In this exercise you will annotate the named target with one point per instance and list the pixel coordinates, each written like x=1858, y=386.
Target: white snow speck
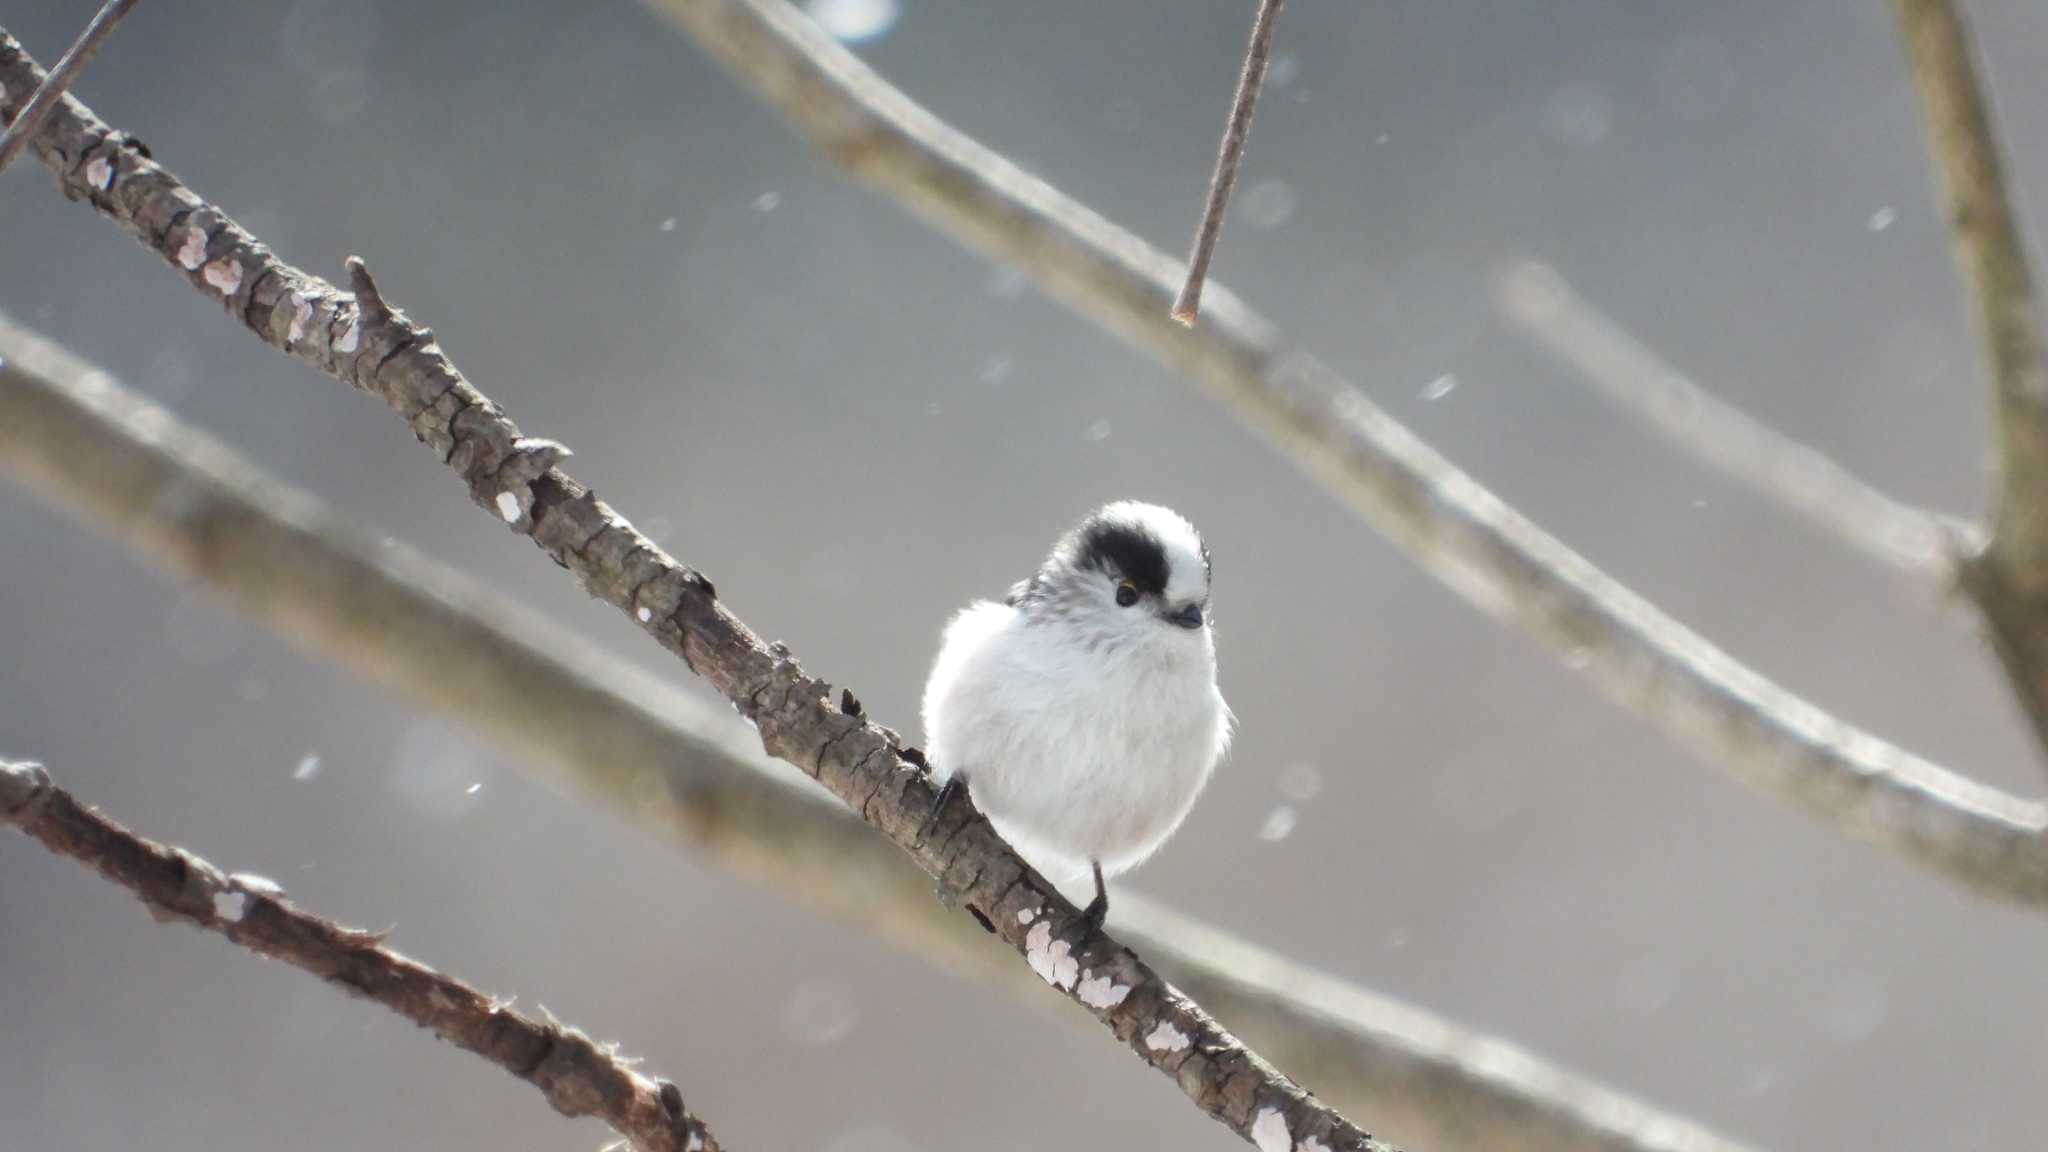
x=768, y=201
x=1097, y=432
x=1279, y=824
x=346, y=342
x=473, y=789
x=645, y=614
x=1050, y=958
x=192, y=253
x=1269, y=1132
x=99, y=173
x=853, y=21
x=309, y=767
x=257, y=885
x=668, y=225
x=229, y=906
x=225, y=275
x=1166, y=1038
x=508, y=507
x=1027, y=915
x=1440, y=387
x=1101, y=992
x=1881, y=219
x=1268, y=204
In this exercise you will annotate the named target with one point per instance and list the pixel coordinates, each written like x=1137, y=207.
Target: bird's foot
x=954, y=785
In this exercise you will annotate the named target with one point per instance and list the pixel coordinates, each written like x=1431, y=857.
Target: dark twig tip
x=1228, y=156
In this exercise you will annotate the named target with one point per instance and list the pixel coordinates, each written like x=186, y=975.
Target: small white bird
x=1082, y=713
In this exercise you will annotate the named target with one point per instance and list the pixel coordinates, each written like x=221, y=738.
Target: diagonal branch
x=2009, y=578
x=578, y=1077
x=1540, y=304
x=59, y=81
x=1228, y=156
x=358, y=338
x=1466, y=536
x=650, y=753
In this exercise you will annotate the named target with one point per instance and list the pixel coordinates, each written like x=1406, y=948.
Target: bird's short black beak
x=1188, y=617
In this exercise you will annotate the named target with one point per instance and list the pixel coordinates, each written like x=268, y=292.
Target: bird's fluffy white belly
x=1077, y=756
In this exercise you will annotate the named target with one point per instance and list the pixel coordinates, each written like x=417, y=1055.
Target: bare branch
x=359, y=338
x=578, y=1077
x=2009, y=578
x=659, y=757
x=1228, y=156
x=1539, y=303
x=60, y=79
x=1466, y=536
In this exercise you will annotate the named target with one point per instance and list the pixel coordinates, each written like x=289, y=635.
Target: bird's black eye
x=1126, y=594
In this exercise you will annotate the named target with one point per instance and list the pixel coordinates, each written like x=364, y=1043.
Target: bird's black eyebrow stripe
x=1129, y=552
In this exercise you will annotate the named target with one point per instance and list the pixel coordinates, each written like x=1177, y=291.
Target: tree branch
x=578, y=1077
x=2009, y=578
x=358, y=338
x=1228, y=155
x=60, y=79
x=1540, y=304
x=651, y=754
x=1764, y=736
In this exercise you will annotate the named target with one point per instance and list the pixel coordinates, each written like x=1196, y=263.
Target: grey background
x=853, y=426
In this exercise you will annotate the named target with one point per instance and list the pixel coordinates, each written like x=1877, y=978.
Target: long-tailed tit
x=1082, y=712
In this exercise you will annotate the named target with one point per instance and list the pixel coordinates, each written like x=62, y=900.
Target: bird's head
x=1131, y=571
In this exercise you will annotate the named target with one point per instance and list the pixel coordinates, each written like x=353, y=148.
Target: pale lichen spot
x=99, y=173
x=1027, y=915
x=645, y=615
x=192, y=253
x=1166, y=1038
x=225, y=275
x=1269, y=1132
x=1311, y=1145
x=257, y=885
x=346, y=342
x=1051, y=959
x=508, y=507
x=1101, y=991
x=302, y=315
x=229, y=905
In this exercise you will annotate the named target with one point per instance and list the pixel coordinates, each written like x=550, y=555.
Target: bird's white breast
x=1080, y=747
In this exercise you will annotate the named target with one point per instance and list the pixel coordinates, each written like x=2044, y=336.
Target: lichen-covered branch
x=2009, y=578
x=1538, y=302
x=359, y=338
x=578, y=1077
x=1730, y=714
x=658, y=756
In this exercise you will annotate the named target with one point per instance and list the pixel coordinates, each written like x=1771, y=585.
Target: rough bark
x=600, y=729
x=578, y=1077
x=1730, y=714
x=358, y=338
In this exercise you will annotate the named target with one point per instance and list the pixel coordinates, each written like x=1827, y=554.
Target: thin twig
x=1466, y=536
x=578, y=1077
x=2009, y=578
x=1537, y=301
x=1228, y=156
x=359, y=338
x=660, y=757
x=60, y=79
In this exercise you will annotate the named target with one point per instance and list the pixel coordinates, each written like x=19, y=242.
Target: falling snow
x=309, y=767
x=1268, y=204
x=1439, y=388
x=1279, y=823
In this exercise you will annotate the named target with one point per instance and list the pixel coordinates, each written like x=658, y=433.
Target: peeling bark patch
x=1269, y=1132
x=1312, y=1145
x=1101, y=991
x=192, y=252
x=225, y=275
x=1026, y=915
x=645, y=615
x=350, y=336
x=1052, y=959
x=100, y=174
x=1166, y=1038
x=508, y=507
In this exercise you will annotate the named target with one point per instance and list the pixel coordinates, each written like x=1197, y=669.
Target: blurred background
x=854, y=427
